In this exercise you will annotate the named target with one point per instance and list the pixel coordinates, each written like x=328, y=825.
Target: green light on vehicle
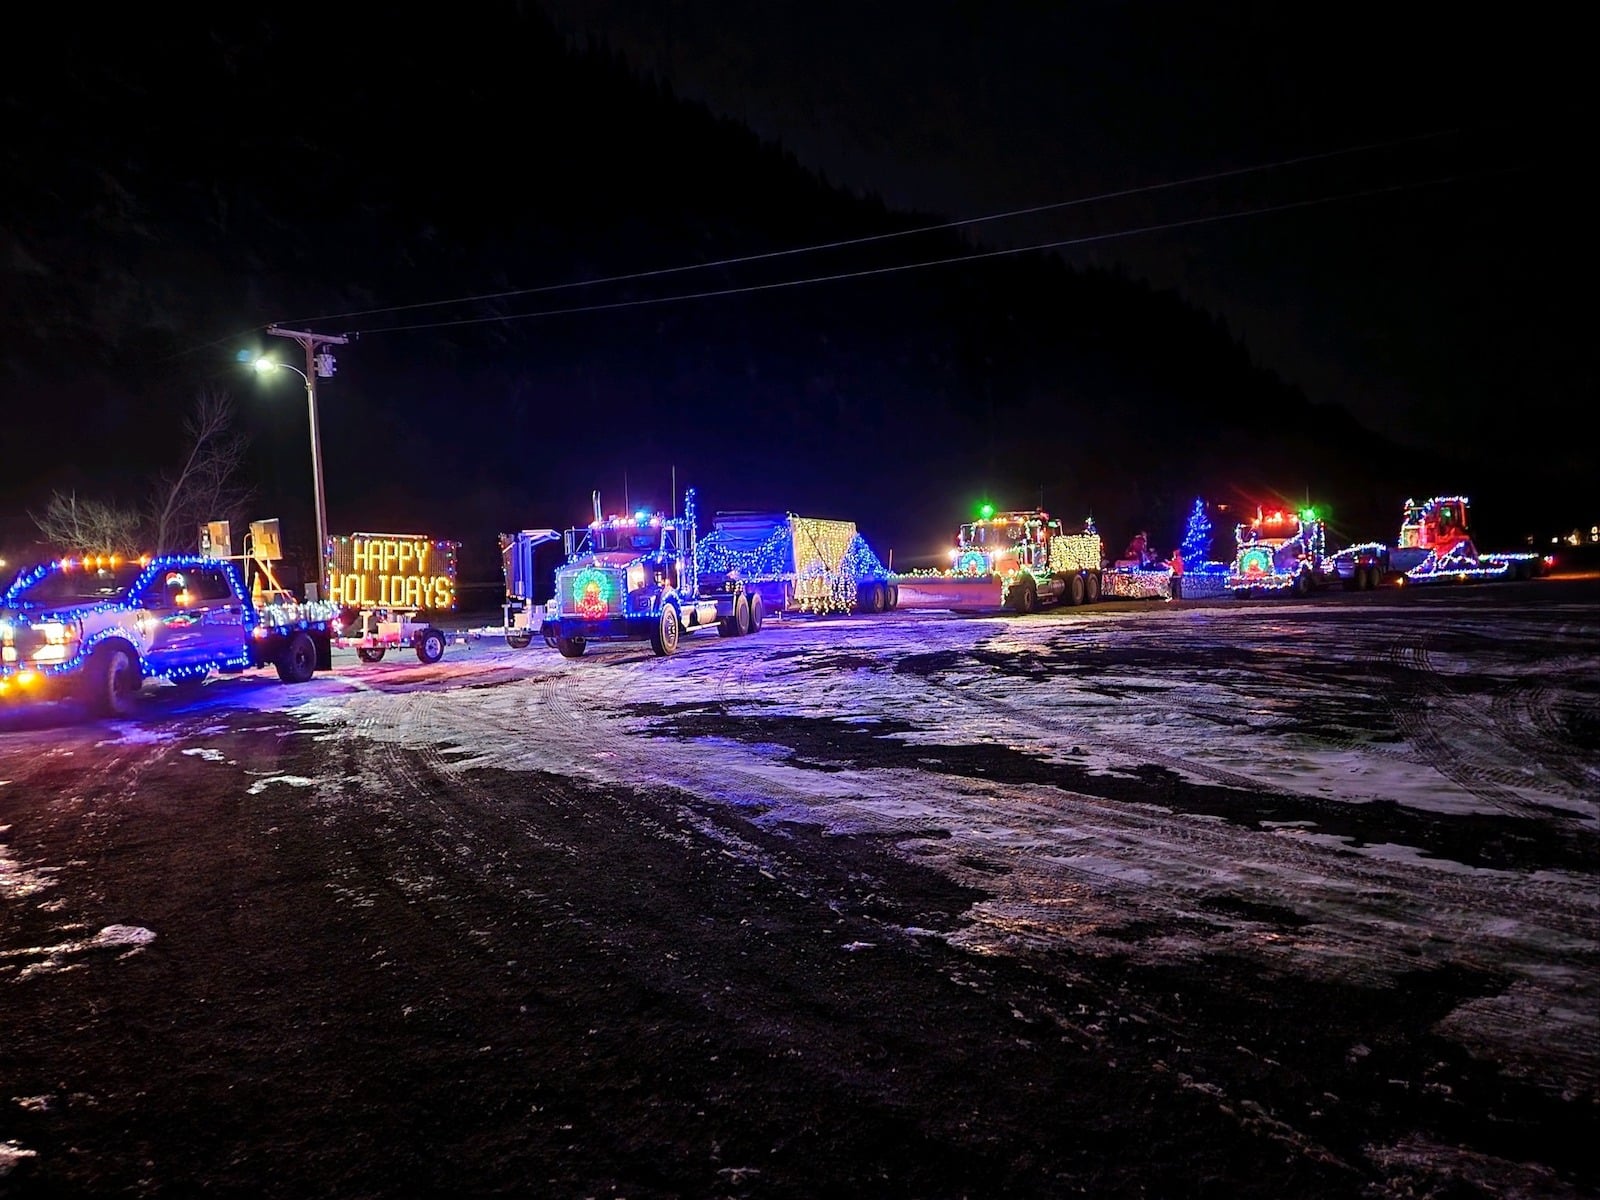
x=1308, y=514
x=985, y=511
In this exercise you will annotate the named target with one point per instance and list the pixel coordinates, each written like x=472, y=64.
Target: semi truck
x=1281, y=551
x=98, y=627
x=796, y=564
x=634, y=577
x=1023, y=560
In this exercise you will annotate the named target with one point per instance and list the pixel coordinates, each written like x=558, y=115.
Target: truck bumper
x=611, y=629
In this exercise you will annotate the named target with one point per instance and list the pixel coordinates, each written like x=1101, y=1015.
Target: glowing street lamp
x=319, y=364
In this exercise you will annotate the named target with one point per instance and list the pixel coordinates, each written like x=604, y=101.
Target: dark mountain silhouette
x=173, y=192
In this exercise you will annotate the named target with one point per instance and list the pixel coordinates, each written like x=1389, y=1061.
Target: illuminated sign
x=392, y=571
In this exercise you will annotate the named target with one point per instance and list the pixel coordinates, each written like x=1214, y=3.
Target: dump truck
x=634, y=577
x=796, y=564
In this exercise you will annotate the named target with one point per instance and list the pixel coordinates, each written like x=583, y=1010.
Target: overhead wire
x=869, y=239
x=1085, y=239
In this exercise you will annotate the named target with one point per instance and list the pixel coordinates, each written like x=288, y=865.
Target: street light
x=319, y=364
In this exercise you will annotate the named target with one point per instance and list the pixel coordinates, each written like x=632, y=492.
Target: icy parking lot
x=1249, y=899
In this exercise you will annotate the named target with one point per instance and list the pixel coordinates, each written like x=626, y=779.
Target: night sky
x=1407, y=322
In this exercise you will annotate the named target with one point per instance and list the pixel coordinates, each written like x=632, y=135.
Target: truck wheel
x=664, y=637
x=1076, y=590
x=1302, y=586
x=1091, y=588
x=571, y=647
x=1241, y=593
x=114, y=681
x=298, y=662
x=370, y=654
x=756, y=613
x=430, y=646
x=894, y=596
x=741, y=614
x=869, y=598
x=520, y=640
x=1024, y=599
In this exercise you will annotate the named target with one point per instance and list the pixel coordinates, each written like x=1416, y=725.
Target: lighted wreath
x=1255, y=561
x=591, y=594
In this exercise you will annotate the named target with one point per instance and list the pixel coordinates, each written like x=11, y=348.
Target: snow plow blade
x=979, y=594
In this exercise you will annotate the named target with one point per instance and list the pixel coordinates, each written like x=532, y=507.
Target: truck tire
x=756, y=612
x=114, y=680
x=664, y=637
x=430, y=646
x=298, y=661
x=894, y=596
x=520, y=640
x=869, y=597
x=1024, y=598
x=370, y=654
x=1091, y=588
x=1077, y=590
x=1301, y=587
x=571, y=647
x=738, y=624
x=1374, y=577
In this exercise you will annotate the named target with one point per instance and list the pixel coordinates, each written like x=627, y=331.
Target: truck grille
x=590, y=593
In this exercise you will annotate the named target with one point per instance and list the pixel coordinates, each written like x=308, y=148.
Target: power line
x=1086, y=239
x=1034, y=210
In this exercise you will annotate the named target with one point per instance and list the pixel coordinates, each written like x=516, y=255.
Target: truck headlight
x=60, y=640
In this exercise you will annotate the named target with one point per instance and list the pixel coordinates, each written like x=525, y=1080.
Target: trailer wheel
x=664, y=637
x=1091, y=588
x=869, y=598
x=114, y=680
x=430, y=646
x=571, y=647
x=894, y=596
x=520, y=640
x=741, y=614
x=370, y=654
x=298, y=662
x=756, y=613
x=1076, y=590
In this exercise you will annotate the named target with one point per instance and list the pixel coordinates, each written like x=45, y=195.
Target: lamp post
x=319, y=364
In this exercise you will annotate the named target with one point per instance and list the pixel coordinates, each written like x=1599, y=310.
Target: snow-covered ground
x=1408, y=787
x=1340, y=793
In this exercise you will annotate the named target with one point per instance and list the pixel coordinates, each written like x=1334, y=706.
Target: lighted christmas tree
x=1197, y=537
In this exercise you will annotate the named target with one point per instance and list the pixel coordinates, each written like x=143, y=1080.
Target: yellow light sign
x=392, y=571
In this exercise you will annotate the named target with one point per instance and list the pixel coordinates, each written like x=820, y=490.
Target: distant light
x=244, y=356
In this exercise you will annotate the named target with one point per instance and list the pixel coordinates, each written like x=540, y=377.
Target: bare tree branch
x=203, y=488
x=75, y=526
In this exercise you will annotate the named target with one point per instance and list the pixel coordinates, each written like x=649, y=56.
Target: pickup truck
x=98, y=627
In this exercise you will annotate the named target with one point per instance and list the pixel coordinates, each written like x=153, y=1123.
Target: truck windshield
x=625, y=537
x=79, y=585
x=992, y=536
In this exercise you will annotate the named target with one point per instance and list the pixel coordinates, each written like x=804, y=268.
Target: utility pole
x=320, y=364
